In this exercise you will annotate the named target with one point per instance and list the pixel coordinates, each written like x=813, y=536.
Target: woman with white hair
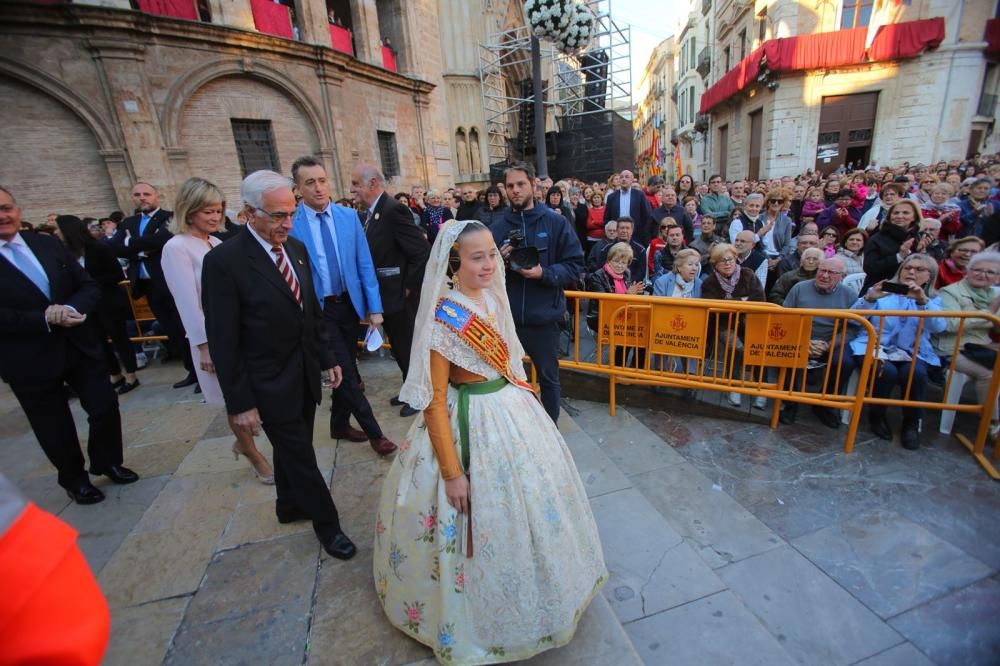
x=898, y=343
x=197, y=215
x=975, y=353
x=434, y=215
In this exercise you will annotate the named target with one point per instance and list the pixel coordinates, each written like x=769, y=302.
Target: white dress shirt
x=625, y=203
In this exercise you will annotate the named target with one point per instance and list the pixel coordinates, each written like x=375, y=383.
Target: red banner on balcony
x=340, y=39
x=906, y=40
x=272, y=18
x=826, y=50
x=389, y=59
x=182, y=9
x=993, y=36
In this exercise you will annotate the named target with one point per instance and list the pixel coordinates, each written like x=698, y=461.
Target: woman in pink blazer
x=198, y=214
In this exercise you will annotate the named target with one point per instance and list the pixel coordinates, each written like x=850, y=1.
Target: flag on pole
x=677, y=161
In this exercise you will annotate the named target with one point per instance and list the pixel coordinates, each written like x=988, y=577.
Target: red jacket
x=595, y=222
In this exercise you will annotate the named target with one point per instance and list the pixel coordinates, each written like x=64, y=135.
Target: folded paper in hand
x=373, y=339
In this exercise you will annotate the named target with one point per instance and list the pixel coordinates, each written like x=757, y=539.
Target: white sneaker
x=141, y=360
x=735, y=399
x=759, y=403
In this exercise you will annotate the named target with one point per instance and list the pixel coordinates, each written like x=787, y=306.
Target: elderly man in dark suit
x=46, y=341
x=628, y=201
x=399, y=251
x=269, y=345
x=140, y=239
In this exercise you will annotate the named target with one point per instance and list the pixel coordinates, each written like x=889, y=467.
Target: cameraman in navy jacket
x=536, y=294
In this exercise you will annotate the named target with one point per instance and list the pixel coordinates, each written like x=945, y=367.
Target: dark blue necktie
x=333, y=265
x=143, y=222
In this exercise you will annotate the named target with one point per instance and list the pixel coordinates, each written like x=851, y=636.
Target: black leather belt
x=339, y=298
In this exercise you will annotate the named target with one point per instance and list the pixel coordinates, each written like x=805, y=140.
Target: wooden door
x=846, y=126
x=723, y=151
x=756, y=136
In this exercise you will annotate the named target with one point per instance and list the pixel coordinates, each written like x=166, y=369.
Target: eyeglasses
x=917, y=269
x=824, y=271
x=727, y=260
x=983, y=271
x=279, y=216
x=775, y=201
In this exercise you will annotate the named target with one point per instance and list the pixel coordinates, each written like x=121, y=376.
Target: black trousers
x=342, y=326
x=47, y=408
x=111, y=324
x=297, y=479
x=541, y=343
x=399, y=327
x=162, y=305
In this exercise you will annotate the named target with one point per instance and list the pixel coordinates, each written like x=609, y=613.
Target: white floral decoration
x=568, y=24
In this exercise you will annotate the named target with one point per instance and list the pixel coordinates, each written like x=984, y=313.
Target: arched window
x=462, y=151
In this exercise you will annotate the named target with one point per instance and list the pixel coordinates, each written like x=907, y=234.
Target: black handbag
x=981, y=354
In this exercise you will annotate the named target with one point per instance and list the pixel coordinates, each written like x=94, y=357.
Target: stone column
x=330, y=85
x=124, y=82
x=233, y=13
x=367, y=39
x=313, y=24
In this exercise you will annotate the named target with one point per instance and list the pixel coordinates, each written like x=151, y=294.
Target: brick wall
x=50, y=158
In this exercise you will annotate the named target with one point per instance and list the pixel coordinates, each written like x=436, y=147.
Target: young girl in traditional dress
x=485, y=546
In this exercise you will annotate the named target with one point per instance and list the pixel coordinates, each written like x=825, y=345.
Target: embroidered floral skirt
x=537, y=558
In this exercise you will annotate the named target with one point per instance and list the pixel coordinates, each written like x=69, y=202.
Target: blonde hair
x=719, y=251
x=620, y=251
x=195, y=194
x=687, y=253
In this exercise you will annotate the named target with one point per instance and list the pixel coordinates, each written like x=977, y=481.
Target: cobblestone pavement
x=727, y=542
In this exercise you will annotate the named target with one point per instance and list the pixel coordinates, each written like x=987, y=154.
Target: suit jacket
x=355, y=257
x=29, y=351
x=639, y=210
x=268, y=351
x=152, y=240
x=399, y=251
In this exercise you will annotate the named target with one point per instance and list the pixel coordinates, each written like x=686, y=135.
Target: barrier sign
x=635, y=334
x=780, y=340
x=679, y=330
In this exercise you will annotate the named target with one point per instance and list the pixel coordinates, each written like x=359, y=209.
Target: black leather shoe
x=197, y=388
x=85, y=493
x=290, y=515
x=128, y=386
x=118, y=384
x=407, y=411
x=117, y=474
x=340, y=546
x=396, y=402
x=788, y=414
x=826, y=416
x=190, y=380
x=879, y=426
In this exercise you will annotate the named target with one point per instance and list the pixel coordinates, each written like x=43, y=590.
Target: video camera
x=521, y=256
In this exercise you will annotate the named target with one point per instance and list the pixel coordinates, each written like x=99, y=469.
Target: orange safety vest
x=51, y=608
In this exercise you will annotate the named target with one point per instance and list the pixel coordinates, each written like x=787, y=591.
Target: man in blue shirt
x=346, y=288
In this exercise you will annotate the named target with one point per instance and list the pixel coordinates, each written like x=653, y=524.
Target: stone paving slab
x=599, y=475
x=141, y=634
x=714, y=524
x=713, y=631
x=959, y=629
x=813, y=618
x=651, y=568
x=889, y=563
x=903, y=654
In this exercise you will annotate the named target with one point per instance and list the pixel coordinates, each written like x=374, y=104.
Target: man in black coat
x=672, y=208
x=399, y=252
x=140, y=238
x=46, y=341
x=627, y=201
x=269, y=345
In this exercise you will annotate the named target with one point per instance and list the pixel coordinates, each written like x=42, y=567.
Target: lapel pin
x=377, y=215
x=300, y=262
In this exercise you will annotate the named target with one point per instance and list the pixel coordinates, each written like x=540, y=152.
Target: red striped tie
x=287, y=273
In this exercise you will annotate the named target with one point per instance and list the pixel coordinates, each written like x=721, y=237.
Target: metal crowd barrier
x=759, y=349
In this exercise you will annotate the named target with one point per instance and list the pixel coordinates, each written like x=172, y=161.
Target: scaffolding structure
x=594, y=81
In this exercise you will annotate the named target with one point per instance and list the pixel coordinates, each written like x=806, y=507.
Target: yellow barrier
x=759, y=349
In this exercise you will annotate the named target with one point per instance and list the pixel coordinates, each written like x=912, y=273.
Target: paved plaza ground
x=727, y=542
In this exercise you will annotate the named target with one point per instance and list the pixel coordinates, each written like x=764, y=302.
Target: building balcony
x=701, y=122
x=673, y=135
x=673, y=91
x=704, y=62
x=706, y=7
